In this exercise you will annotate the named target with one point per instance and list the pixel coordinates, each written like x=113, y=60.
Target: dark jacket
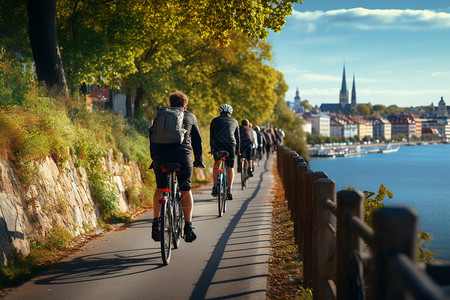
x=246, y=134
x=224, y=130
x=192, y=142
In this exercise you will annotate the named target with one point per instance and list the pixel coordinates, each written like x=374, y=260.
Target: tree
x=364, y=109
x=105, y=40
x=306, y=104
x=44, y=43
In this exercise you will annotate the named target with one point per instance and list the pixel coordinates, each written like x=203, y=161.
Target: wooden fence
x=344, y=258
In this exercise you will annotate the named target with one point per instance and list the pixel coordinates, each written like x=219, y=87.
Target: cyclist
x=268, y=138
x=254, y=147
x=247, y=142
x=224, y=135
x=261, y=142
x=178, y=153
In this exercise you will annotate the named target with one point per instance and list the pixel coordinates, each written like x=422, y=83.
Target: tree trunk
x=138, y=99
x=128, y=104
x=44, y=43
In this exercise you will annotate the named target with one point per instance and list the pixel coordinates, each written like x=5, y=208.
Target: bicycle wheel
x=166, y=230
x=219, y=194
x=244, y=174
x=224, y=194
x=242, y=162
x=177, y=216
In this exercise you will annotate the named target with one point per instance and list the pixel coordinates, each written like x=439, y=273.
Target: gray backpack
x=168, y=126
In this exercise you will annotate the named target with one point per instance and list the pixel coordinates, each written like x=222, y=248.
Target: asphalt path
x=228, y=259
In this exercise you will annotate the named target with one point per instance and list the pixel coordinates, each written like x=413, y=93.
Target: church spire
x=297, y=101
x=343, y=95
x=353, y=103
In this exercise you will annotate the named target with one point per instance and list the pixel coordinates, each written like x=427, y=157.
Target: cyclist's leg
x=184, y=177
x=187, y=202
x=230, y=177
x=158, y=195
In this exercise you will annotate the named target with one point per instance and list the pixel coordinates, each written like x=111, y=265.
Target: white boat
x=389, y=149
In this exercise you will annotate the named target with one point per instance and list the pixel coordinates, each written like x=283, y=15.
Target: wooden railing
x=344, y=258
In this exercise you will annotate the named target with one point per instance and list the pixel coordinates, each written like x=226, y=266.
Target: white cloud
x=311, y=77
x=439, y=74
x=373, y=19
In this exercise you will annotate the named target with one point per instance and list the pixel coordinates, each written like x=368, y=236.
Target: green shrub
x=14, y=83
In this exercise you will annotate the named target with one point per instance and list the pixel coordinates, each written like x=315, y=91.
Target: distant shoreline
x=313, y=148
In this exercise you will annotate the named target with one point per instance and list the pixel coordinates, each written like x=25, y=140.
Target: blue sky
x=399, y=51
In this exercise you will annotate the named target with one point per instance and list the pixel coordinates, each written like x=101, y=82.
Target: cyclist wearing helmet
x=224, y=135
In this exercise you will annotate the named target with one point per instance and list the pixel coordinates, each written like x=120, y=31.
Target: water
x=418, y=176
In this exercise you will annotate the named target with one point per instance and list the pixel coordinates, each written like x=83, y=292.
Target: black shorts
x=247, y=152
x=184, y=176
x=229, y=161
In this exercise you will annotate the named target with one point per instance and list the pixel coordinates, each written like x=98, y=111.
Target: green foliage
x=424, y=240
x=20, y=268
x=374, y=201
x=14, y=83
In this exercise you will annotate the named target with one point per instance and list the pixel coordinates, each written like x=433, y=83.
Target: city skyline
x=396, y=51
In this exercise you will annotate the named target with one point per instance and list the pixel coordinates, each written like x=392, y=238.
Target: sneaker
x=229, y=195
x=189, y=235
x=250, y=172
x=214, y=191
x=155, y=230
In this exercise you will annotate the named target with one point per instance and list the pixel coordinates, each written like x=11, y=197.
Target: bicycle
x=172, y=217
x=222, y=183
x=243, y=164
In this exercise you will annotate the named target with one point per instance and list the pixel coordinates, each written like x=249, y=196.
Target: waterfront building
x=441, y=125
x=320, y=124
x=365, y=127
x=381, y=128
x=341, y=126
x=403, y=124
x=442, y=109
x=307, y=126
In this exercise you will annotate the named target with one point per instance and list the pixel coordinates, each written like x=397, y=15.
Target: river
x=418, y=176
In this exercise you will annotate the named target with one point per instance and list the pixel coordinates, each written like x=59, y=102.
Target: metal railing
x=344, y=258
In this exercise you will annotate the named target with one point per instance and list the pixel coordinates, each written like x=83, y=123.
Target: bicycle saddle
x=170, y=167
x=223, y=153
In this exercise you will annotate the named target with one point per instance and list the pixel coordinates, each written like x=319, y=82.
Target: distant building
x=442, y=109
x=320, y=124
x=307, y=126
x=343, y=106
x=381, y=128
x=405, y=125
x=297, y=101
x=343, y=127
x=441, y=125
x=365, y=127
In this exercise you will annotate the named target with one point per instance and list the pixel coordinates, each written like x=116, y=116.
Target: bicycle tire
x=177, y=216
x=219, y=194
x=244, y=174
x=166, y=232
x=242, y=162
x=224, y=194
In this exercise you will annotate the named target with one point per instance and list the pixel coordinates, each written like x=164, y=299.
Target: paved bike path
x=228, y=259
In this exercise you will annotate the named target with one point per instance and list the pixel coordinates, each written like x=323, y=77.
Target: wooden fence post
x=310, y=178
x=323, y=240
x=348, y=244
x=301, y=168
x=395, y=232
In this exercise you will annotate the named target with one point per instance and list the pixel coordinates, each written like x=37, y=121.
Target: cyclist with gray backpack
x=174, y=135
